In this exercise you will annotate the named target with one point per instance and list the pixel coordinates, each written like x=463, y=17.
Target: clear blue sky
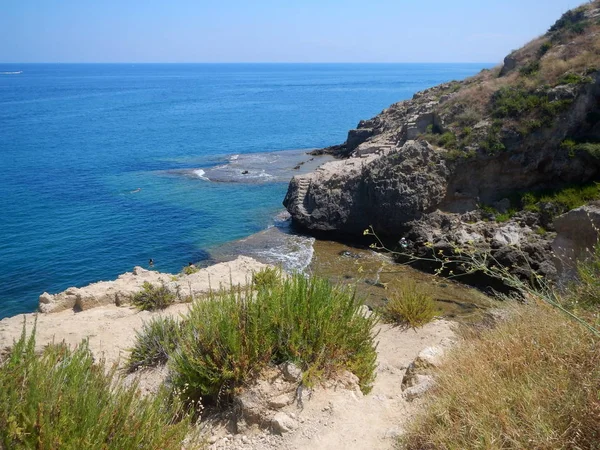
x=271, y=31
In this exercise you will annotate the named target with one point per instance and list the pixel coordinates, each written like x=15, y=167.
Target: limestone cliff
x=531, y=124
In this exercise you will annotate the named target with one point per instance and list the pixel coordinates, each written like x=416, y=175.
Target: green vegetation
x=154, y=342
x=411, y=306
x=545, y=48
x=564, y=199
x=151, y=297
x=492, y=143
x=531, y=68
x=190, y=269
x=559, y=200
x=266, y=278
x=571, y=21
x=62, y=399
x=516, y=102
x=230, y=336
x=573, y=78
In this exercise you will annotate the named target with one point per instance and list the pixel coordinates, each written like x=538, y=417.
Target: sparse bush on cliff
x=230, y=336
x=153, y=344
x=62, y=399
x=151, y=297
x=571, y=21
x=411, y=306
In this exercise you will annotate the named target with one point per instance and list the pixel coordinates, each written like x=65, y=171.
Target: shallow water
x=376, y=278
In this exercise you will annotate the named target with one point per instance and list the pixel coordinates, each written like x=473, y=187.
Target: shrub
x=190, y=269
x=448, y=140
x=153, y=344
x=573, y=20
x=564, y=199
x=62, y=399
x=532, y=382
x=546, y=46
x=468, y=117
x=233, y=334
x=151, y=297
x=530, y=68
x=573, y=78
x=266, y=278
x=411, y=306
x=513, y=102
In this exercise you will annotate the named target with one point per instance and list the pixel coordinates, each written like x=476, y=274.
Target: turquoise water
x=101, y=165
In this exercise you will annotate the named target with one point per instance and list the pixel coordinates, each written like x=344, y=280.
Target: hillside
x=504, y=145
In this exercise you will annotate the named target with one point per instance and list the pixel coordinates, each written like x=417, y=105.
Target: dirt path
x=346, y=419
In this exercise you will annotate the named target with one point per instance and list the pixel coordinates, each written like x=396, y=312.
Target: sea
x=106, y=166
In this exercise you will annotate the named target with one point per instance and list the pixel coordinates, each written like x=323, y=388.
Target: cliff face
x=532, y=124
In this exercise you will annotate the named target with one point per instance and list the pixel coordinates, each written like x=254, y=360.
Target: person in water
x=151, y=262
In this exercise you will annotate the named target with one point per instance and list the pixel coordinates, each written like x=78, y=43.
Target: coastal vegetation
x=410, y=306
x=532, y=379
x=230, y=336
x=152, y=297
x=551, y=202
x=153, y=344
x=64, y=399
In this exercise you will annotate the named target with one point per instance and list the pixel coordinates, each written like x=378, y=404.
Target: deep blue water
x=77, y=141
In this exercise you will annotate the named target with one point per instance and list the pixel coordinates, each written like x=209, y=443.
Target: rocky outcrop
x=422, y=168
x=391, y=179
x=576, y=238
x=383, y=190
x=121, y=290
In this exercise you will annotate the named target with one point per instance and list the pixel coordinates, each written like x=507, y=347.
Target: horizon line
x=253, y=62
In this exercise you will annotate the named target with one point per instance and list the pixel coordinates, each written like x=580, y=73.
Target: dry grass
x=531, y=383
x=411, y=306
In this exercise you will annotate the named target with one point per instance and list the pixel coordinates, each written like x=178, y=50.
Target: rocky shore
x=456, y=164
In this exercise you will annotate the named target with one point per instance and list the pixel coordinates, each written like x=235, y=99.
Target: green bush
x=190, y=269
x=151, y=297
x=564, y=199
x=492, y=143
x=530, y=68
x=573, y=20
x=516, y=102
x=448, y=140
x=61, y=399
x=546, y=46
x=232, y=335
x=266, y=278
x=573, y=78
x=411, y=306
x=153, y=344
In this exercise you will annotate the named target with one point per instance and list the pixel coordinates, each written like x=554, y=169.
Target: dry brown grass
x=533, y=382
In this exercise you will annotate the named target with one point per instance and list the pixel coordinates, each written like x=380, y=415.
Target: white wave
x=233, y=157
x=201, y=174
x=295, y=255
x=11, y=73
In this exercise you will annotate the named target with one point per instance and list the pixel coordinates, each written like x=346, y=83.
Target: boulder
x=576, y=236
x=282, y=423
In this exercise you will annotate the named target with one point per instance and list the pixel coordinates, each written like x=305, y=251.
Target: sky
x=271, y=31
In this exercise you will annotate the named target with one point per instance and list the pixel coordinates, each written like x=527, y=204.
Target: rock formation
x=531, y=125
x=121, y=290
